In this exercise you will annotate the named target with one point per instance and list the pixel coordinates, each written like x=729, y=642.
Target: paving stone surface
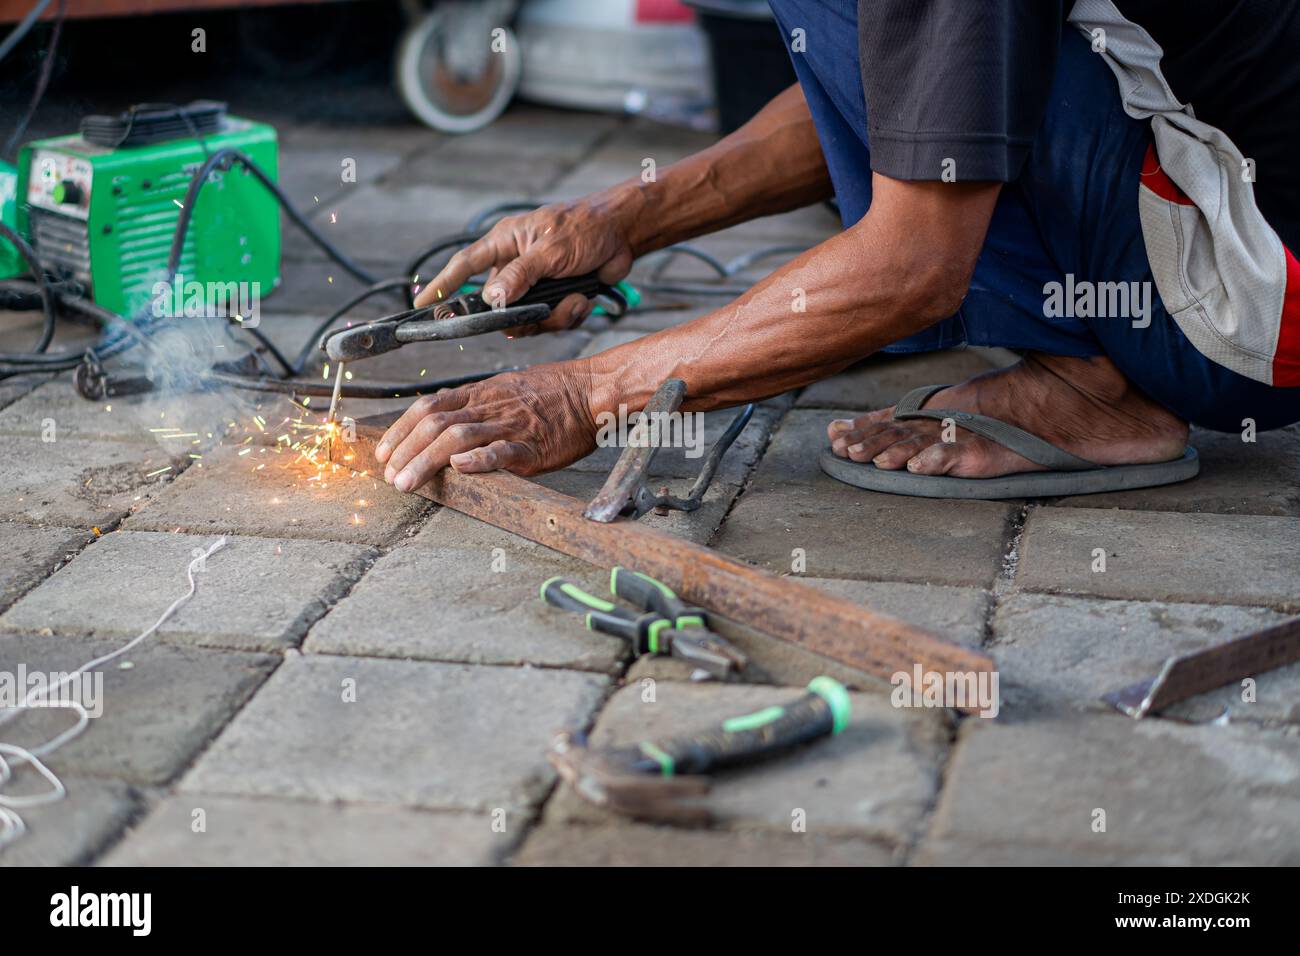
x=452, y=604
x=254, y=594
x=278, y=495
x=874, y=780
x=159, y=709
x=55, y=409
x=28, y=555
x=639, y=845
x=248, y=831
x=461, y=675
x=312, y=163
x=1253, y=478
x=1058, y=652
x=86, y=484
x=1206, y=795
x=1220, y=559
x=409, y=216
x=847, y=532
x=437, y=736
x=70, y=832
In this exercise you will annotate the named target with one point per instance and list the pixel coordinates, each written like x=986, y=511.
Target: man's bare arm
x=772, y=164
x=903, y=267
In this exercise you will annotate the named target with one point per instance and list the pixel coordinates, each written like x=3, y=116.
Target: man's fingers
x=425, y=432
x=567, y=314
x=446, y=400
x=516, y=277
x=450, y=440
x=500, y=455
x=462, y=267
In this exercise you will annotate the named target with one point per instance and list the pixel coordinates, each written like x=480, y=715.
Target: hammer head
x=600, y=777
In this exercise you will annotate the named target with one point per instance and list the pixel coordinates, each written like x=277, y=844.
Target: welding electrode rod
x=334, y=399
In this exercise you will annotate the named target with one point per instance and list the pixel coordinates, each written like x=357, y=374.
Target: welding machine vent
x=148, y=123
x=63, y=243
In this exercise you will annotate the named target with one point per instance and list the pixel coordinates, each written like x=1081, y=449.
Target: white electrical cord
x=11, y=824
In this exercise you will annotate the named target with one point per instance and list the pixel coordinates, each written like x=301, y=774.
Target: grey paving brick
x=846, y=532
x=71, y=831
x=1257, y=478
x=449, y=604
x=28, y=555
x=955, y=614
x=873, y=780
x=1059, y=652
x=622, y=156
x=883, y=379
x=265, y=493
x=1216, y=559
x=248, y=831
x=448, y=528
x=55, y=409
x=405, y=217
x=637, y=845
x=311, y=166
x=440, y=736
x=1209, y=795
x=158, y=711
x=534, y=131
x=254, y=594
x=86, y=484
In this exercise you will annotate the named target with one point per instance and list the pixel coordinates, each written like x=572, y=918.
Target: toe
x=871, y=443
x=898, y=454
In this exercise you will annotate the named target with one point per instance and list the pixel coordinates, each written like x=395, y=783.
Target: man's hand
x=556, y=241
x=523, y=422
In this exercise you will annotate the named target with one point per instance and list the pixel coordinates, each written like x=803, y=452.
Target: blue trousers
x=1073, y=212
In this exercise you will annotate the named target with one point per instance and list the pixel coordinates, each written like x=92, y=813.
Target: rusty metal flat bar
x=1190, y=674
x=783, y=607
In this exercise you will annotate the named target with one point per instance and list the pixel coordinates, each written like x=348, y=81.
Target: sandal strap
x=1014, y=439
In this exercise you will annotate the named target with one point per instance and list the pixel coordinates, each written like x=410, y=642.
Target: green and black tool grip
x=822, y=711
x=644, y=631
x=644, y=591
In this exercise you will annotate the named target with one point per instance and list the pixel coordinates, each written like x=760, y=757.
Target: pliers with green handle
x=664, y=625
x=654, y=779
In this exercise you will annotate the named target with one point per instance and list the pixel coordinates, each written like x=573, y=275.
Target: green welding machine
x=102, y=206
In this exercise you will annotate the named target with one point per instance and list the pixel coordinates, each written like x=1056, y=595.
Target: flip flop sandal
x=1070, y=475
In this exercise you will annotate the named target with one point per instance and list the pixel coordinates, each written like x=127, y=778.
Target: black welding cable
x=42, y=81
x=38, y=275
x=456, y=241
x=24, y=27
x=369, y=390
x=267, y=344
x=235, y=156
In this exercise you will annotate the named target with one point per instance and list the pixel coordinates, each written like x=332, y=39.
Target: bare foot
x=1085, y=406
